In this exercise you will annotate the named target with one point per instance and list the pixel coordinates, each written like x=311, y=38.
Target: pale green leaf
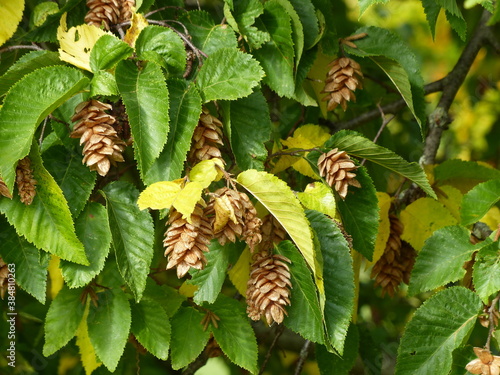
x=477, y=202
x=487, y=271
x=107, y=52
x=318, y=196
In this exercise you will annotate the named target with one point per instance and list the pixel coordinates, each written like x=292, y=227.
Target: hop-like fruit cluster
x=207, y=138
x=485, y=363
x=272, y=232
x=337, y=168
x=268, y=288
x=4, y=190
x=26, y=184
x=185, y=243
x=107, y=13
x=343, y=78
x=4, y=275
x=102, y=147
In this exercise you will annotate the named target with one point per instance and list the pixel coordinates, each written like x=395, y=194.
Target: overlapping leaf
x=478, y=201
x=107, y=52
x=241, y=17
x=487, y=271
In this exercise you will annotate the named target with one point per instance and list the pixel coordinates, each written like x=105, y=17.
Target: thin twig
x=291, y=153
x=163, y=8
x=40, y=140
x=196, y=364
x=304, y=353
x=279, y=331
x=385, y=122
x=12, y=48
x=491, y=317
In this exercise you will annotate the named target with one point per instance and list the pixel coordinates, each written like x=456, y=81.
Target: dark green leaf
x=477, y=202
x=63, y=318
x=132, y=234
x=241, y=17
x=438, y=327
x=151, y=327
x=487, y=271
x=458, y=24
x=168, y=297
x=92, y=228
x=109, y=326
x=432, y=10
x=307, y=14
x=328, y=43
x=304, y=313
x=103, y=83
x=342, y=364
x=303, y=92
x=188, y=337
x=107, y=52
x=451, y=6
x=297, y=28
x=145, y=96
x=26, y=105
x=495, y=18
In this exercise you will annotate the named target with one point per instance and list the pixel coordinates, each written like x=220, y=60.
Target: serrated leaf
x=277, y=55
x=365, y=4
x=103, y=84
x=486, y=273
x=184, y=113
x=338, y=276
x=281, y=202
x=451, y=6
x=206, y=171
x=356, y=145
x=87, y=353
x=228, y=74
x=132, y=233
x=74, y=178
x=31, y=268
x=145, y=96
x=137, y=23
x=12, y=11
x=107, y=51
x=432, y=10
x=441, y=259
x=458, y=24
x=92, y=228
x=159, y=195
x=239, y=274
x=109, y=326
x=417, y=226
x=60, y=327
x=297, y=28
x=187, y=198
x=309, y=20
x=241, y=17
x=479, y=200
x=327, y=22
x=304, y=313
x=26, y=105
x=162, y=46
x=451, y=198
x=47, y=222
x=342, y=364
x=360, y=215
x=188, y=337
x=151, y=327
x=235, y=334
x=318, y=196
x=436, y=330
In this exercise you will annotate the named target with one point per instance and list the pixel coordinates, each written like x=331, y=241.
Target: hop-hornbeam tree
x=185, y=180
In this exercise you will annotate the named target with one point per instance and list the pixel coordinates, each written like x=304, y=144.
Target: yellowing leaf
x=206, y=171
x=77, y=42
x=240, y=273
x=56, y=277
x=67, y=363
x=186, y=199
x=187, y=289
x=89, y=359
x=224, y=212
x=12, y=13
x=492, y=218
x=451, y=198
x=138, y=22
x=159, y=195
x=422, y=218
x=317, y=196
x=384, y=203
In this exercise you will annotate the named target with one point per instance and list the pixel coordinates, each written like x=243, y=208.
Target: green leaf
x=455, y=169
x=309, y=20
x=451, y=6
x=28, y=102
x=327, y=21
x=356, y=145
x=432, y=10
x=235, y=334
x=151, y=327
x=162, y=46
x=228, y=74
x=338, y=277
x=241, y=17
x=25, y=65
x=250, y=129
x=458, y=24
x=145, y=96
x=441, y=259
x=365, y=4
x=210, y=279
x=342, y=364
x=169, y=298
x=360, y=215
x=495, y=18
x=107, y=52
x=188, y=337
x=132, y=233
x=477, y=202
x=47, y=222
x=92, y=228
x=31, y=268
x=438, y=327
x=63, y=318
x=281, y=202
x=184, y=112
x=109, y=326
x=74, y=178
x=318, y=196
x=277, y=55
x=487, y=271
x=103, y=83
x=304, y=313
x=297, y=28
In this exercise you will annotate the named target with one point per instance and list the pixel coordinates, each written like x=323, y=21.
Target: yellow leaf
x=317, y=196
x=240, y=273
x=224, y=212
x=159, y=195
x=422, y=218
x=12, y=13
x=384, y=225
x=186, y=199
x=77, y=42
x=206, y=171
x=138, y=23
x=187, y=289
x=55, y=275
x=89, y=359
x=492, y=218
x=451, y=198
x=67, y=363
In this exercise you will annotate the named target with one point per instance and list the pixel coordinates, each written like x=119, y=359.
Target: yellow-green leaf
x=159, y=195
x=384, y=203
x=87, y=353
x=55, y=275
x=240, y=272
x=12, y=13
x=186, y=199
x=206, y=171
x=451, y=198
x=319, y=197
x=137, y=23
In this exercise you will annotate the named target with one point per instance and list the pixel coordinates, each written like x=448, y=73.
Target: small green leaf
x=228, y=74
x=432, y=10
x=487, y=271
x=28, y=102
x=60, y=325
x=103, y=84
x=188, y=337
x=107, y=52
x=297, y=28
x=327, y=22
x=241, y=17
x=145, y=96
x=318, y=196
x=109, y=326
x=342, y=364
x=458, y=24
x=365, y=4
x=438, y=327
x=132, y=232
x=304, y=314
x=477, y=202
x=151, y=327
x=235, y=334
x=453, y=170
x=309, y=20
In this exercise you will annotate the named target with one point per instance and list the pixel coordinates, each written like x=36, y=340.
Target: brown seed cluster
x=207, y=139
x=4, y=190
x=26, y=184
x=4, y=275
x=106, y=13
x=343, y=78
x=272, y=232
x=337, y=168
x=485, y=363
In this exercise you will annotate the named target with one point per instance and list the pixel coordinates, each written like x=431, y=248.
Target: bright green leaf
x=318, y=196
x=365, y=4
x=487, y=271
x=107, y=52
x=103, y=84
x=477, y=202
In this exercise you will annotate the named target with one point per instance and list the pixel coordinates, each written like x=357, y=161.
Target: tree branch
x=304, y=353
